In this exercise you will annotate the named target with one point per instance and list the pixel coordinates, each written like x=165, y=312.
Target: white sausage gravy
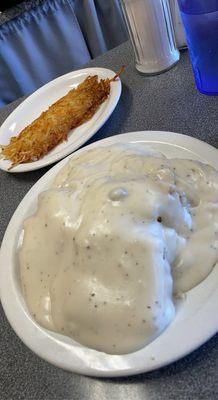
x=120, y=231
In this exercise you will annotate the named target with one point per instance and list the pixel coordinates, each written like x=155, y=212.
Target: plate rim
x=29, y=197
x=111, y=104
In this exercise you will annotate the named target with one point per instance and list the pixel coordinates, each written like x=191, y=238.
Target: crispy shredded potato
x=52, y=126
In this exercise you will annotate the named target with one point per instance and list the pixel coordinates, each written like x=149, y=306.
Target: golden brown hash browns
x=53, y=125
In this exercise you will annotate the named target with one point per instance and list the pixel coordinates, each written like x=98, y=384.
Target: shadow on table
x=114, y=125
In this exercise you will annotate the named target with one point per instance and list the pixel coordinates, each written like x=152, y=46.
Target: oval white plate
x=40, y=100
x=196, y=319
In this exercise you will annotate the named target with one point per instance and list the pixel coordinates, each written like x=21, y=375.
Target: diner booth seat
x=54, y=37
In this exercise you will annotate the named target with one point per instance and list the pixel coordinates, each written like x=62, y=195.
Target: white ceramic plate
x=40, y=100
x=196, y=319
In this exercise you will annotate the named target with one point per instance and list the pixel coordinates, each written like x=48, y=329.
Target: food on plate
x=52, y=126
x=121, y=230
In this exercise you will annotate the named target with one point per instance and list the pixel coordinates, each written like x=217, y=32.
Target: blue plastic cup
x=200, y=19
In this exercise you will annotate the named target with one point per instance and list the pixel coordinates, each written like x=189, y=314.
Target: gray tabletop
x=164, y=102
